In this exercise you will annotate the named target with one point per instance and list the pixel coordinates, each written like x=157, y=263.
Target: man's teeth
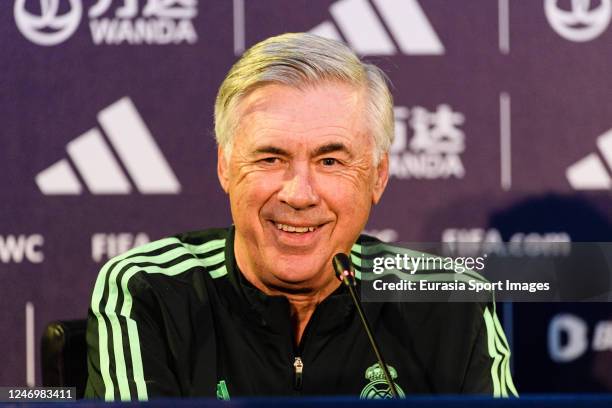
x=291, y=228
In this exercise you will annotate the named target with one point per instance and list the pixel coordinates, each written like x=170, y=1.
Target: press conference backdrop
x=503, y=132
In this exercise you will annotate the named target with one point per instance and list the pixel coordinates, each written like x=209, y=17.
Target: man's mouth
x=294, y=228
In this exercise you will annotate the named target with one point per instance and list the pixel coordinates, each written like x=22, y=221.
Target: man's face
x=301, y=182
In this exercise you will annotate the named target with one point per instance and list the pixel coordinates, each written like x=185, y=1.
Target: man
x=303, y=128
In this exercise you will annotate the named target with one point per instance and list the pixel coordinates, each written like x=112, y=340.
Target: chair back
x=64, y=355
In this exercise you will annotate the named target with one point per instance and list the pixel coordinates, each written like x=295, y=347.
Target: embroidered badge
x=378, y=388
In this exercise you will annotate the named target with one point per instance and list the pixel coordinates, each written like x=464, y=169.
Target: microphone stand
x=346, y=274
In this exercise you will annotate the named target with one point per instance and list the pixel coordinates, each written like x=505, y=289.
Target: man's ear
x=382, y=176
x=222, y=169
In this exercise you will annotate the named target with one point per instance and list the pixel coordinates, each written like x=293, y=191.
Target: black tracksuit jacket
x=176, y=317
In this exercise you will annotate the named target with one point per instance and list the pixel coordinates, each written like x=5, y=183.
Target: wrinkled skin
x=300, y=159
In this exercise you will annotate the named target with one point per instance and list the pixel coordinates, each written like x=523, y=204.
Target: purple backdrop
x=502, y=115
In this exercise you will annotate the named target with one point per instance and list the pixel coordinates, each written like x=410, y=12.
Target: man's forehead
x=325, y=103
x=313, y=142
x=319, y=114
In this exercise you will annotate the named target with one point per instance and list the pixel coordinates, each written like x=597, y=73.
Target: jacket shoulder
x=171, y=256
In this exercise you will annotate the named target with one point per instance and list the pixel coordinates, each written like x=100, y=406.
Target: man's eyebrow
x=331, y=148
x=271, y=150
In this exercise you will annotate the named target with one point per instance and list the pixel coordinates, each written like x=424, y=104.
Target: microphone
x=346, y=274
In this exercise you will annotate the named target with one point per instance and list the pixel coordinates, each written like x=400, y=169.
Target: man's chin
x=297, y=276
x=291, y=276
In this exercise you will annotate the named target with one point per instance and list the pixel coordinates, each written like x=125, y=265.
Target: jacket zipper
x=299, y=368
x=298, y=352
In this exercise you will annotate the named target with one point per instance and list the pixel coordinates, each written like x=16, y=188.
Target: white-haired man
x=303, y=128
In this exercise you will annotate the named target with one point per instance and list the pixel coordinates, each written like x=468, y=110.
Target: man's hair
x=300, y=60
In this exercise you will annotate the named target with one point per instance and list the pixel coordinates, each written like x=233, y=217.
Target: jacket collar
x=272, y=312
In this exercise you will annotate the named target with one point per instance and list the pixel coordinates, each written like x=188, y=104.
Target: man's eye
x=270, y=160
x=328, y=161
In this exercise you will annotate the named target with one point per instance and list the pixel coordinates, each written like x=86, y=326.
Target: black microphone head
x=342, y=264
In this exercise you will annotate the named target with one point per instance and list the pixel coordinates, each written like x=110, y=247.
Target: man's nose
x=298, y=190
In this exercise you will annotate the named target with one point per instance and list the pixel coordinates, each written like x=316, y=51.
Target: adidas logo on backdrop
x=365, y=32
x=97, y=165
x=590, y=172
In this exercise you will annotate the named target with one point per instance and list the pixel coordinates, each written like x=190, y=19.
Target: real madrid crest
x=378, y=388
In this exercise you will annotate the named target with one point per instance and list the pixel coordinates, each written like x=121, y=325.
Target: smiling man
x=301, y=178
x=303, y=128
